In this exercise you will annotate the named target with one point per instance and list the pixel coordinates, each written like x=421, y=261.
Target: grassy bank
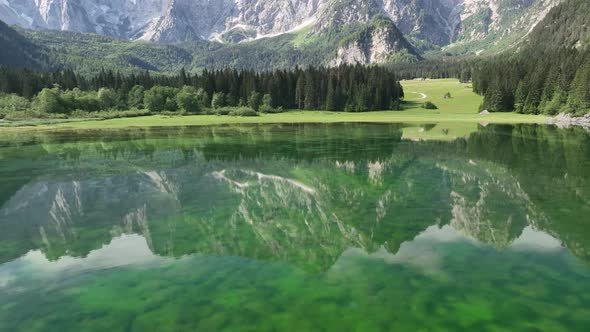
x=462, y=107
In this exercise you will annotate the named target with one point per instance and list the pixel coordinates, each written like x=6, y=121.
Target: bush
x=243, y=111
x=429, y=106
x=221, y=111
x=110, y=114
x=218, y=100
x=395, y=105
x=235, y=111
x=88, y=103
x=107, y=98
x=160, y=98
x=49, y=101
x=203, y=98
x=32, y=114
x=13, y=103
x=255, y=101
x=188, y=100
x=270, y=109
x=267, y=107
x=135, y=96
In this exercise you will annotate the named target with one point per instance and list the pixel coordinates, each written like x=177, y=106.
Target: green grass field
x=463, y=107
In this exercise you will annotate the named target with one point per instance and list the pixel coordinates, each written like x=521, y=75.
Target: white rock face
x=120, y=18
x=161, y=20
x=381, y=45
x=440, y=22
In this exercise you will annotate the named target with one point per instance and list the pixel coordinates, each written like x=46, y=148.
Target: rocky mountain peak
x=470, y=25
x=439, y=22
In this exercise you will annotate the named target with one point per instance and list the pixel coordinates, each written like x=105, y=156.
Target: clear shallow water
x=295, y=228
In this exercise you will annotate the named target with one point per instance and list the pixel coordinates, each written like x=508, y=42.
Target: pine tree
x=331, y=102
x=494, y=99
x=255, y=101
x=579, y=99
x=135, y=96
x=519, y=98
x=310, y=102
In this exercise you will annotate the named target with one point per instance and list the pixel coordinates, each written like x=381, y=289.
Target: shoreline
x=564, y=120
x=292, y=117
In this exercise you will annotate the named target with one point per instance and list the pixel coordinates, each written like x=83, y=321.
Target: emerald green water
x=295, y=228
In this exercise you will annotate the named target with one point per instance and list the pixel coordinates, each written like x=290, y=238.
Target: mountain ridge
x=439, y=22
x=17, y=50
x=254, y=34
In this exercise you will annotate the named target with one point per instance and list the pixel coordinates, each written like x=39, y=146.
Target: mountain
x=552, y=67
x=566, y=26
x=430, y=23
x=377, y=42
x=17, y=50
x=493, y=26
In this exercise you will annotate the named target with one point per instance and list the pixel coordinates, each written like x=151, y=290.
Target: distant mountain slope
x=16, y=50
x=380, y=41
x=493, y=26
x=566, y=26
x=90, y=52
x=378, y=38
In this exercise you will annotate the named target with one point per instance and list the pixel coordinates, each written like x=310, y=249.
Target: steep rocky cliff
x=439, y=22
x=378, y=42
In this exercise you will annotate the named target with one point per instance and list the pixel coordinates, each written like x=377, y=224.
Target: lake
x=342, y=227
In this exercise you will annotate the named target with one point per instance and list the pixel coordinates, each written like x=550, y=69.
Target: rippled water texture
x=295, y=228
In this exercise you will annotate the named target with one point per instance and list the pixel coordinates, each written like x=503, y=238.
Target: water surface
x=350, y=227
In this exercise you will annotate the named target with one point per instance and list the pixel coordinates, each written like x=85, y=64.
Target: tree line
x=557, y=81
x=344, y=88
x=443, y=67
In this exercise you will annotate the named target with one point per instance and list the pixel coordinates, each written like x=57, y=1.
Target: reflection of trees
x=302, y=194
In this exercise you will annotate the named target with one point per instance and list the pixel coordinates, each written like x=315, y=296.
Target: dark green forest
x=16, y=50
x=557, y=82
x=551, y=74
x=27, y=93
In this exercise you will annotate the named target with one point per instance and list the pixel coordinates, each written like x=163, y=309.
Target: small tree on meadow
x=160, y=98
x=187, y=100
x=267, y=104
x=429, y=106
x=255, y=101
x=107, y=98
x=218, y=100
x=135, y=96
x=48, y=101
x=203, y=98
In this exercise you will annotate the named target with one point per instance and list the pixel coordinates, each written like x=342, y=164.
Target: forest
x=33, y=94
x=550, y=74
x=554, y=83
